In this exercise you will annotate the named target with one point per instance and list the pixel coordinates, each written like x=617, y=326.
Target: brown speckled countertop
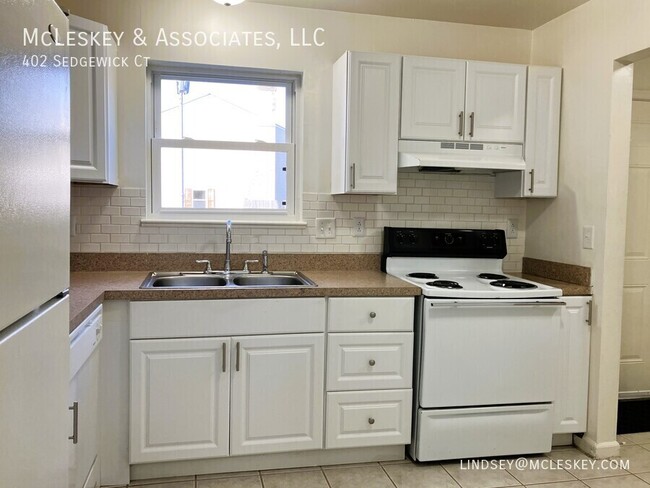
x=568, y=289
x=90, y=288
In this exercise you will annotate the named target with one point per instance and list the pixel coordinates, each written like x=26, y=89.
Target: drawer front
x=371, y=314
x=483, y=432
x=368, y=418
x=214, y=318
x=369, y=361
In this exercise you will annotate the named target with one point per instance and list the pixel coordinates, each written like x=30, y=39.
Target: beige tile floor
x=405, y=474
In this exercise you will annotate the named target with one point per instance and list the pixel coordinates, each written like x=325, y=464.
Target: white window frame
x=291, y=214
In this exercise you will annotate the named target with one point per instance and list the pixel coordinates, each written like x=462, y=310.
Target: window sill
x=214, y=223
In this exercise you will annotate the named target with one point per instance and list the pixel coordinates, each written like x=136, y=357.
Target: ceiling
x=521, y=14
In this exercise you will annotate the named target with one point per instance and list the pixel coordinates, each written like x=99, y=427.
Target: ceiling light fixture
x=229, y=3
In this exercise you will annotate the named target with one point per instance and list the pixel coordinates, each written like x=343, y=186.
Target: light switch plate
x=588, y=237
x=325, y=228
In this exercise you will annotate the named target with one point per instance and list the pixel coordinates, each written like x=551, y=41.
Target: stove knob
x=449, y=239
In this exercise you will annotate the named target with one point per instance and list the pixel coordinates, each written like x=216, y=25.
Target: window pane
x=222, y=111
x=223, y=179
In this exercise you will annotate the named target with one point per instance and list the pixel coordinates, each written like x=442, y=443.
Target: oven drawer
x=370, y=314
x=483, y=432
x=369, y=361
x=368, y=418
x=477, y=354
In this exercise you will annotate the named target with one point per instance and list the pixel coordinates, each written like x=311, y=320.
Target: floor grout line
x=387, y=475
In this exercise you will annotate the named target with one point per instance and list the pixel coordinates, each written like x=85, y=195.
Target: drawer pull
x=371, y=362
x=371, y=421
x=373, y=315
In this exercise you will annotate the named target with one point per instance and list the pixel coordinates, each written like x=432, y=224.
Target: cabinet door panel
x=496, y=101
x=277, y=393
x=373, y=113
x=433, y=98
x=179, y=399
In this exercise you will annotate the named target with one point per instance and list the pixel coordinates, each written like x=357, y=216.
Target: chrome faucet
x=226, y=266
x=265, y=261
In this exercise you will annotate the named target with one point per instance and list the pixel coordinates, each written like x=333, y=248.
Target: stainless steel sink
x=231, y=280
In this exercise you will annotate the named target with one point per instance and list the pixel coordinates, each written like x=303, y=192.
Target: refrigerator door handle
x=75, y=422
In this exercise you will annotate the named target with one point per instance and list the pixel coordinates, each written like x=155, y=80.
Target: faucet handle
x=246, y=270
x=208, y=266
x=265, y=261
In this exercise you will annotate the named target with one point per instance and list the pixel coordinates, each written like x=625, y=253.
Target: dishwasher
x=84, y=402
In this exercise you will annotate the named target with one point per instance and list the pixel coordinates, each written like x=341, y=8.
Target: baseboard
x=601, y=450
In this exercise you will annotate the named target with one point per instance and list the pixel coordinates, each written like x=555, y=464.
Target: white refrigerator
x=34, y=248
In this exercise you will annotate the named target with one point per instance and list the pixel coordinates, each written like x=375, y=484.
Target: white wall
x=342, y=32
x=593, y=174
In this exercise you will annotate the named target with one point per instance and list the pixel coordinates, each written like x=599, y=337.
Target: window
x=223, y=145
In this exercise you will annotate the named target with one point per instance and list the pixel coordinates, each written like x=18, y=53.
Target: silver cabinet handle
x=75, y=423
x=371, y=421
x=471, y=124
x=461, y=123
x=371, y=362
x=373, y=315
x=353, y=169
x=237, y=347
x=590, y=305
x=532, y=180
x=223, y=357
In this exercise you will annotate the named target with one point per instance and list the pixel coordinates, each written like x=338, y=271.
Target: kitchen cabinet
x=369, y=371
x=196, y=397
x=365, y=123
x=93, y=110
x=572, y=377
x=83, y=452
x=542, y=139
x=450, y=99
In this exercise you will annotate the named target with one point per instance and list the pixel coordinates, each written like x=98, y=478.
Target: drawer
x=483, y=432
x=214, y=318
x=369, y=361
x=368, y=418
x=371, y=314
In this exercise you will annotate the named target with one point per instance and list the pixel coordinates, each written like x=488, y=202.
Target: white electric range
x=485, y=345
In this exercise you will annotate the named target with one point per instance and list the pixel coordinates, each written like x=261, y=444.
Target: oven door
x=488, y=352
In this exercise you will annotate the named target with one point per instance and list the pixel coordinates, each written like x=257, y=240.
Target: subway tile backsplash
x=108, y=219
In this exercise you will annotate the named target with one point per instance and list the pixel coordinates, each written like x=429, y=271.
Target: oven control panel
x=450, y=243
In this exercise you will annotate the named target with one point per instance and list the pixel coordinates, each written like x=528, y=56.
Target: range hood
x=459, y=156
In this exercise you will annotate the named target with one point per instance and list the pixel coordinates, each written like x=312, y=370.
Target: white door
x=433, y=98
x=34, y=419
x=179, y=399
x=496, y=102
x=635, y=341
x=277, y=393
x=373, y=115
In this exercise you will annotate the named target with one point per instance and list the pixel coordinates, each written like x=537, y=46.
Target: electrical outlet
x=511, y=228
x=358, y=226
x=325, y=228
x=588, y=237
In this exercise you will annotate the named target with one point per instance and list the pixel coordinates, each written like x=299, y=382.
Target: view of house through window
x=222, y=144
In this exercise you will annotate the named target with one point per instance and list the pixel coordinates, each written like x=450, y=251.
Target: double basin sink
x=207, y=280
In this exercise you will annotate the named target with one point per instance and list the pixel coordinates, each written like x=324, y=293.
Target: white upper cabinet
x=92, y=111
x=541, y=150
x=433, y=98
x=451, y=99
x=365, y=123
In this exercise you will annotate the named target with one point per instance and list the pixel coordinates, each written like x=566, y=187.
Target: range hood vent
x=457, y=157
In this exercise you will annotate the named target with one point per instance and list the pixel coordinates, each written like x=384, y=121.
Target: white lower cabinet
x=213, y=397
x=572, y=378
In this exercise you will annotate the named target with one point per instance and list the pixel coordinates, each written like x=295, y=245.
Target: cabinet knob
x=373, y=315
x=371, y=362
x=371, y=421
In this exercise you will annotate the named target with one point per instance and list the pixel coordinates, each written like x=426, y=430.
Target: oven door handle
x=498, y=304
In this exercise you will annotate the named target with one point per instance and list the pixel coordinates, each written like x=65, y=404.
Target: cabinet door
x=496, y=102
x=373, y=90
x=92, y=111
x=433, y=98
x=570, y=405
x=179, y=399
x=277, y=393
x=542, y=131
